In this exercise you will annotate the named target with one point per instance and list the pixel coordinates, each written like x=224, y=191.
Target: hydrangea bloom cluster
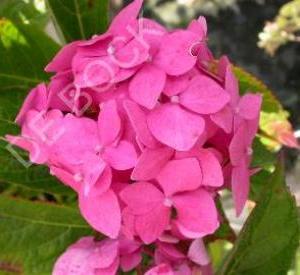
x=147, y=127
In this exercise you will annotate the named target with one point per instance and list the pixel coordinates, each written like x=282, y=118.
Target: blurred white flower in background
x=285, y=28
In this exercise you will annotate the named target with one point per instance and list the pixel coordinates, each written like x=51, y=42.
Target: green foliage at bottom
x=34, y=234
x=270, y=237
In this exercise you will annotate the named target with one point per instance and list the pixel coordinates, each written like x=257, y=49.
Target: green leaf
x=268, y=240
x=34, y=234
x=258, y=183
x=262, y=157
x=79, y=19
x=34, y=178
x=22, y=11
x=24, y=52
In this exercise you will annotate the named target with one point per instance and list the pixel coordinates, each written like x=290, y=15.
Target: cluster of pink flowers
x=147, y=127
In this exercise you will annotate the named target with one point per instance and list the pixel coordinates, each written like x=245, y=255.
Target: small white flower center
x=98, y=149
x=111, y=49
x=249, y=151
x=168, y=202
x=72, y=93
x=175, y=99
x=78, y=177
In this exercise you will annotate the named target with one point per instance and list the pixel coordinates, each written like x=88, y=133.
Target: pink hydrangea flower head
x=146, y=126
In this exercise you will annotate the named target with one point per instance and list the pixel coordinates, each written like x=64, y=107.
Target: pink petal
x=232, y=86
x=109, y=123
x=134, y=53
x=151, y=225
x=197, y=253
x=111, y=270
x=65, y=177
x=141, y=197
x=147, y=85
x=150, y=163
x=240, y=184
x=175, y=56
x=223, y=65
x=125, y=17
x=199, y=27
x=176, y=84
x=102, y=212
x=205, y=57
x=162, y=269
x=36, y=99
x=139, y=123
x=87, y=255
x=238, y=145
x=179, y=176
x=224, y=119
x=151, y=33
x=38, y=153
x=175, y=127
x=184, y=269
x=128, y=224
x=63, y=59
x=170, y=251
x=124, y=74
x=67, y=263
x=219, y=156
x=96, y=46
x=127, y=246
x=197, y=215
x=105, y=253
x=97, y=176
x=93, y=72
x=168, y=238
x=78, y=138
x=249, y=106
x=204, y=96
x=130, y=261
x=62, y=93
x=121, y=157
x=212, y=174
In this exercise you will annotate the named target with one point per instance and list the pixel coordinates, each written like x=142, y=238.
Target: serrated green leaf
x=268, y=240
x=79, y=19
x=34, y=234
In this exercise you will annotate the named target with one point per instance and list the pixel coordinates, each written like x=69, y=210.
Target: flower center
x=98, y=149
x=78, y=177
x=175, y=99
x=168, y=202
x=111, y=50
x=249, y=151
